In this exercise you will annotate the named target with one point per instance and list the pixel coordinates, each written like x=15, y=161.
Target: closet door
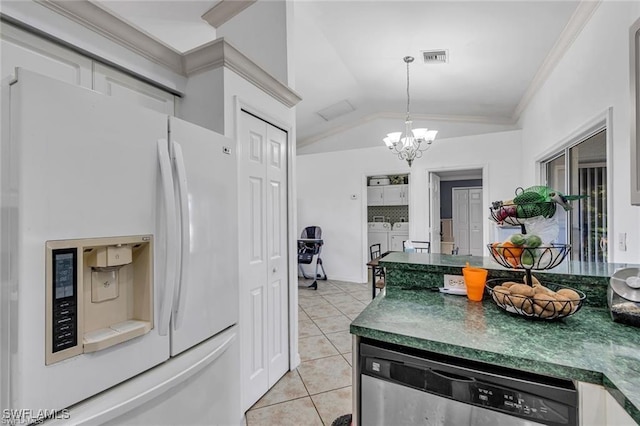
x=277, y=296
x=263, y=259
x=475, y=222
x=461, y=219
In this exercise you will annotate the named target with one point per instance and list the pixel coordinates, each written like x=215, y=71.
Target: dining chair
x=378, y=273
x=374, y=251
x=419, y=246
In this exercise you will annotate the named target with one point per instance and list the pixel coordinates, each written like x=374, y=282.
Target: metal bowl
x=533, y=258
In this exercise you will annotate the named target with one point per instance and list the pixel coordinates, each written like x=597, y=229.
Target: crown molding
x=208, y=56
x=399, y=116
x=98, y=20
x=219, y=53
x=570, y=33
x=224, y=10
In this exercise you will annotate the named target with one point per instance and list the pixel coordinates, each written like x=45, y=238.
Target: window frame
x=602, y=122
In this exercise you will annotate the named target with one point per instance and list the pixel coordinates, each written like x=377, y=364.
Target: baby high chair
x=309, y=248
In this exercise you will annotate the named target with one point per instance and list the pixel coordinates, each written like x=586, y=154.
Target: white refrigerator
x=119, y=271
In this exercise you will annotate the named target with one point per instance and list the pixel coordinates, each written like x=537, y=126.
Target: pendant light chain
x=408, y=60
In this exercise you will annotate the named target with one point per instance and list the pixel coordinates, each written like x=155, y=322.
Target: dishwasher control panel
x=523, y=404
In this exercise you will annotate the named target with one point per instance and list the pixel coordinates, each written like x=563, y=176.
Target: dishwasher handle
x=406, y=374
x=420, y=377
x=453, y=377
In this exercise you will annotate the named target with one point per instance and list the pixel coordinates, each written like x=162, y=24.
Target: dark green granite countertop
x=587, y=346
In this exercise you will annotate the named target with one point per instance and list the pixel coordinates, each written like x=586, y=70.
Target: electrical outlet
x=622, y=241
x=456, y=281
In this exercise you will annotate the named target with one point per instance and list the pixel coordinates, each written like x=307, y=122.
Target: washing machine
x=398, y=234
x=378, y=233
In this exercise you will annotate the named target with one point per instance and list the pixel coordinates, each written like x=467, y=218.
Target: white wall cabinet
x=375, y=196
x=616, y=415
x=22, y=49
x=597, y=407
x=119, y=85
x=388, y=195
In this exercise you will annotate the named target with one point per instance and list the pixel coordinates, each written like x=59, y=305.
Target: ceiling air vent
x=435, y=56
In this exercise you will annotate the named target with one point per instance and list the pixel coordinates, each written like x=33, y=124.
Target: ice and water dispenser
x=99, y=293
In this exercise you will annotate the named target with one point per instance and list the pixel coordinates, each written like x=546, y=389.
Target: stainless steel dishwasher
x=422, y=388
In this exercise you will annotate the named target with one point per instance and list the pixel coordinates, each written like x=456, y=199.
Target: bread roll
x=547, y=302
x=499, y=293
x=540, y=289
x=567, y=294
x=543, y=313
x=508, y=284
x=521, y=289
x=527, y=306
x=533, y=279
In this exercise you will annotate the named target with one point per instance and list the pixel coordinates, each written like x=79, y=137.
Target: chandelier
x=411, y=143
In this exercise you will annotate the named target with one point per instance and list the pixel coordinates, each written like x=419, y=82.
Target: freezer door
x=77, y=164
x=206, y=298
x=199, y=387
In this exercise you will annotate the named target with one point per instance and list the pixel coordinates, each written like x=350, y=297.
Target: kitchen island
x=586, y=347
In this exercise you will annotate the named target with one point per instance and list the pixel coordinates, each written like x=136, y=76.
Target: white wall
x=260, y=32
x=326, y=182
x=592, y=77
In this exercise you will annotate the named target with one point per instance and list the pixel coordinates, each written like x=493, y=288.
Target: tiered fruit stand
x=530, y=299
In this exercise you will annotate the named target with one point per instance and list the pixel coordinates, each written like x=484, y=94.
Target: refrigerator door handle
x=166, y=302
x=180, y=295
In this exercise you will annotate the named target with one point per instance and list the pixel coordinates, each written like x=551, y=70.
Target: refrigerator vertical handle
x=166, y=303
x=180, y=295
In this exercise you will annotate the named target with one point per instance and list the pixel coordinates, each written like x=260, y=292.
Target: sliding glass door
x=582, y=170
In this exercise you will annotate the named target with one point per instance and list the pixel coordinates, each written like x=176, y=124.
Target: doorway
x=442, y=223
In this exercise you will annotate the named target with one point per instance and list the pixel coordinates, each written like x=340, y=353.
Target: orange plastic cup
x=474, y=279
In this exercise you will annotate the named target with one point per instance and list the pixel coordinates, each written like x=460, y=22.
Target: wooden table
x=374, y=265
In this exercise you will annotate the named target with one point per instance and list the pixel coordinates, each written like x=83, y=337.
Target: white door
x=468, y=220
x=475, y=222
x=263, y=264
x=434, y=211
x=277, y=281
x=87, y=167
x=461, y=219
x=206, y=298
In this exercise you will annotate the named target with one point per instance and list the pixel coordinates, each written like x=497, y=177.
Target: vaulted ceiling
x=348, y=55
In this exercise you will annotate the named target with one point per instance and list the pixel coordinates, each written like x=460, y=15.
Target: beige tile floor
x=319, y=390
